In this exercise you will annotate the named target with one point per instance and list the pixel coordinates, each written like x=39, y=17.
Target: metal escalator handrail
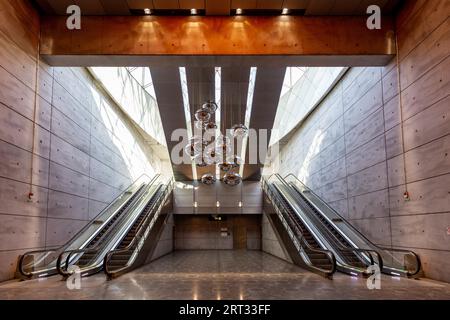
x=98, y=247
x=33, y=252
x=417, y=258
x=139, y=234
x=302, y=239
x=338, y=244
x=369, y=253
x=293, y=225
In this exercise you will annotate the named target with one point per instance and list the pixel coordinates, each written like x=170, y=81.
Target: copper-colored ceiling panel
x=295, y=4
x=90, y=7
x=115, y=7
x=243, y=4
x=166, y=4
x=45, y=7
x=320, y=7
x=345, y=7
x=269, y=4
x=219, y=8
x=364, y=4
x=192, y=4
x=59, y=6
x=140, y=4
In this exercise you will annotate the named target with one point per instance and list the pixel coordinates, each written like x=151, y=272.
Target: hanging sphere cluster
x=205, y=153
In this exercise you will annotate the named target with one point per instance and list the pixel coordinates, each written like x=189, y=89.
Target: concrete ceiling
x=217, y=7
x=234, y=90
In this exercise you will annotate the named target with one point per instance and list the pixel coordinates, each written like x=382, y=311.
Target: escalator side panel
x=286, y=240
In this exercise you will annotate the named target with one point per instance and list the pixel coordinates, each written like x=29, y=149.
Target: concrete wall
x=361, y=149
x=73, y=148
x=271, y=242
x=194, y=232
x=165, y=242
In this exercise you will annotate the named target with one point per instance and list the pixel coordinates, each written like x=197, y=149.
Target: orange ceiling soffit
x=215, y=35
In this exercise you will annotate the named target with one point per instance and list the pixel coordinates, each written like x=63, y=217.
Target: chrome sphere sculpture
x=232, y=178
x=208, y=179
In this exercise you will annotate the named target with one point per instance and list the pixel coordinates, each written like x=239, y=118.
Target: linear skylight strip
x=248, y=114
x=217, y=98
x=187, y=112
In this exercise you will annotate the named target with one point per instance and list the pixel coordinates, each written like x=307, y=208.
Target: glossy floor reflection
x=224, y=275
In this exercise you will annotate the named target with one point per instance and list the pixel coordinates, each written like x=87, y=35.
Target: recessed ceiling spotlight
x=147, y=11
x=285, y=11
x=238, y=11
x=193, y=11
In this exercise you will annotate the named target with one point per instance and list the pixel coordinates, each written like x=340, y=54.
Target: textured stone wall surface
x=69, y=145
x=362, y=149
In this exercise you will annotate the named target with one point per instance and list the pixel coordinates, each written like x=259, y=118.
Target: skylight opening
x=292, y=76
x=217, y=97
x=187, y=112
x=143, y=76
x=248, y=114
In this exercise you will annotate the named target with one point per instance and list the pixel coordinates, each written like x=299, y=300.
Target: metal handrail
x=33, y=252
x=417, y=258
x=142, y=228
x=341, y=248
x=96, y=249
x=302, y=239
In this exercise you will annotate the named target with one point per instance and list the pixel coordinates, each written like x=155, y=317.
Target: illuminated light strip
x=187, y=112
x=248, y=113
x=217, y=97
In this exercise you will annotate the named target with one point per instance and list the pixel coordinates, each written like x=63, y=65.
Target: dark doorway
x=240, y=237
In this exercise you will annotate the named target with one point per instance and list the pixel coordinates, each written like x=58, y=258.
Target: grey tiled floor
x=224, y=275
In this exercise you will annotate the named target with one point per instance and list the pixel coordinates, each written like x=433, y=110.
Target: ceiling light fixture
x=238, y=11
x=147, y=11
x=285, y=11
x=193, y=11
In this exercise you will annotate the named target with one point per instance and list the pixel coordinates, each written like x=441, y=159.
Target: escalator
x=350, y=260
x=97, y=242
x=41, y=263
x=350, y=257
x=318, y=259
x=89, y=260
x=353, y=250
x=353, y=261
x=101, y=236
x=305, y=249
x=132, y=232
x=139, y=243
